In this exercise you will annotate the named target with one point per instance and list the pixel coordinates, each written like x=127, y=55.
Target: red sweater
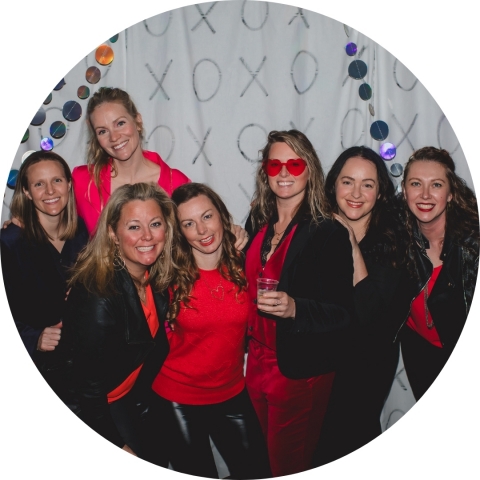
x=207, y=346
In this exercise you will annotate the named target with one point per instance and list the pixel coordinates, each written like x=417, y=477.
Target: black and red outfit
x=448, y=303
x=291, y=360
x=117, y=352
x=200, y=388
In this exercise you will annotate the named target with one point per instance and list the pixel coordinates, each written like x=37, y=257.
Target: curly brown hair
x=462, y=213
x=186, y=272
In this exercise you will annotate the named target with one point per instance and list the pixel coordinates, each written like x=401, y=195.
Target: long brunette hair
x=186, y=272
x=462, y=224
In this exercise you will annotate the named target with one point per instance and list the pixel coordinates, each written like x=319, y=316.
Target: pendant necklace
x=218, y=292
x=425, y=300
x=277, y=236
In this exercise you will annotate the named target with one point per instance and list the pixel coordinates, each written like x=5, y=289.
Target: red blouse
x=152, y=319
x=261, y=328
x=417, y=319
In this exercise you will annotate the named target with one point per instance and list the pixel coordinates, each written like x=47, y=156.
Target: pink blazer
x=89, y=205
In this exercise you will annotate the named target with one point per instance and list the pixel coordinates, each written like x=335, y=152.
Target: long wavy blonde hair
x=95, y=266
x=314, y=201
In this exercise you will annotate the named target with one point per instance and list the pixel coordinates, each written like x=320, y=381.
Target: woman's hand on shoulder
x=277, y=303
x=14, y=220
x=242, y=237
x=351, y=234
x=49, y=338
x=359, y=267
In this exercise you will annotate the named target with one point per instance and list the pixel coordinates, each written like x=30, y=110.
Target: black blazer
x=318, y=275
x=109, y=338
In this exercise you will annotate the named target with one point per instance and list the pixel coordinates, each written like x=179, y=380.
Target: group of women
x=136, y=296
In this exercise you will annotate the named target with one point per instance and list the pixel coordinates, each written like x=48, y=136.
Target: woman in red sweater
x=201, y=385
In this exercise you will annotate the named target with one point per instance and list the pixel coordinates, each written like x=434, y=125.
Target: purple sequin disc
x=46, y=144
x=351, y=49
x=388, y=151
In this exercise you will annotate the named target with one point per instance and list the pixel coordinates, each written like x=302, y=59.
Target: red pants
x=291, y=412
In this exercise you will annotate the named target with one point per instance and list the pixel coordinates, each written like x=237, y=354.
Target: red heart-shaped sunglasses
x=295, y=166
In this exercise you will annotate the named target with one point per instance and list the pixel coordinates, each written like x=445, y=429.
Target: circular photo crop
x=240, y=240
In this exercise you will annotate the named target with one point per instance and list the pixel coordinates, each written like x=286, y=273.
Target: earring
x=118, y=261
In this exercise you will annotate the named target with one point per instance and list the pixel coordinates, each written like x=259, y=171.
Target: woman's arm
x=359, y=268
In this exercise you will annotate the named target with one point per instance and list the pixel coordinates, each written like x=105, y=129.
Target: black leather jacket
x=451, y=297
x=109, y=338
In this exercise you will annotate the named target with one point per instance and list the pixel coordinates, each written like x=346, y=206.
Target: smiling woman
x=115, y=156
x=36, y=257
x=201, y=387
x=441, y=217
x=115, y=315
x=360, y=195
x=292, y=331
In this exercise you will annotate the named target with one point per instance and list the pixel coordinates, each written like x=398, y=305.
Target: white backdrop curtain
x=210, y=87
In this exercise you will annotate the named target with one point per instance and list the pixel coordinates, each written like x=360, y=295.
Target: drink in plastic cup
x=266, y=285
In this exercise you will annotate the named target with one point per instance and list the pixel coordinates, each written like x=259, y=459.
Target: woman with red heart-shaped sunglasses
x=294, y=330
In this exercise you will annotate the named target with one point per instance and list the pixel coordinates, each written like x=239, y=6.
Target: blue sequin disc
x=72, y=111
x=396, y=170
x=357, y=69
x=58, y=129
x=365, y=91
x=60, y=84
x=379, y=130
x=12, y=178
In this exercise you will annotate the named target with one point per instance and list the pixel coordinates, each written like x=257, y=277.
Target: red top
x=417, y=321
x=89, y=205
x=152, y=319
x=260, y=328
x=207, y=345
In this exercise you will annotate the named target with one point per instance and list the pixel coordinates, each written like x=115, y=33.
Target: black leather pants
x=233, y=427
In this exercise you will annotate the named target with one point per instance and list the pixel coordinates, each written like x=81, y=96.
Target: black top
x=35, y=276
